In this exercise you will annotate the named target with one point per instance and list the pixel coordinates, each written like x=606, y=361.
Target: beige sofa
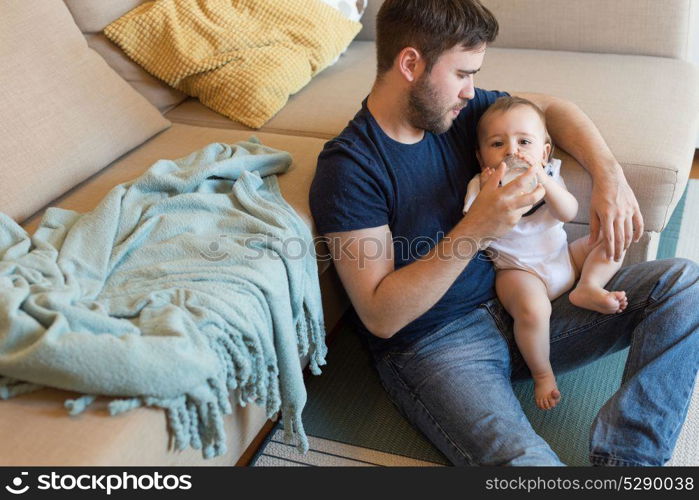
x=624, y=62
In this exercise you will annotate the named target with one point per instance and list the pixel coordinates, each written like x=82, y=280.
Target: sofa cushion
x=649, y=27
x=66, y=114
x=368, y=32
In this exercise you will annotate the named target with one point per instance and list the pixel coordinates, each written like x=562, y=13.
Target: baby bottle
x=514, y=168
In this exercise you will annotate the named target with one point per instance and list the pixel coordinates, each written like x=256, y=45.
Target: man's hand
x=484, y=176
x=615, y=216
x=497, y=209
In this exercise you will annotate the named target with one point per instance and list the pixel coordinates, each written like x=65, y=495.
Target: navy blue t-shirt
x=366, y=179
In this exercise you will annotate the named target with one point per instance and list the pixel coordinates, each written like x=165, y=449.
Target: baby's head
x=509, y=125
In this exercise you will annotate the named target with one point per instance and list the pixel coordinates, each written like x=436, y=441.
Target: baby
x=534, y=262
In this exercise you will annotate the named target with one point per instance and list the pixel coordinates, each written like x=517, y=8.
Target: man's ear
x=410, y=63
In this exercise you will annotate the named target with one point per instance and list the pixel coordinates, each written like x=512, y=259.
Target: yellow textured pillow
x=242, y=58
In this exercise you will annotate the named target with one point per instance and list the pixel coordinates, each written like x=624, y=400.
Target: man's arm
x=614, y=212
x=386, y=300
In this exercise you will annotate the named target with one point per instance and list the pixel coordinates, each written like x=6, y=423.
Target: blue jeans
x=454, y=384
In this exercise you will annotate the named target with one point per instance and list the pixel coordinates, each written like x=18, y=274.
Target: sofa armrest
x=639, y=27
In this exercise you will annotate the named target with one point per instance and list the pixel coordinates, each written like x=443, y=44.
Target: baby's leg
x=595, y=272
x=524, y=296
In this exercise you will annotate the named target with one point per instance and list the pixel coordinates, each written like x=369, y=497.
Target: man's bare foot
x=546, y=393
x=598, y=299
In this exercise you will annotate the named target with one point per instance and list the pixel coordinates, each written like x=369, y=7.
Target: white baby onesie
x=538, y=243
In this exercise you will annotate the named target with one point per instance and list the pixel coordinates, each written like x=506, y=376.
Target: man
x=388, y=194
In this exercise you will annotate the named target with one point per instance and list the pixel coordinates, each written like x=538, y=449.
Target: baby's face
x=507, y=132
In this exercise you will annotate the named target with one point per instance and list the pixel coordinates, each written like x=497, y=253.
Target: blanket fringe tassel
x=10, y=388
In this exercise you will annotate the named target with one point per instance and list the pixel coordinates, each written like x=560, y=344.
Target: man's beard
x=426, y=111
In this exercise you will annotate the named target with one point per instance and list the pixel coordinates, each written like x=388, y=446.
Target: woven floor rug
x=351, y=421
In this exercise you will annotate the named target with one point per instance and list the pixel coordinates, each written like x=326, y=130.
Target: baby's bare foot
x=623, y=300
x=598, y=299
x=546, y=393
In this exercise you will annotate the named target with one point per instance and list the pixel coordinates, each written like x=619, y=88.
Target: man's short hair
x=507, y=103
x=431, y=27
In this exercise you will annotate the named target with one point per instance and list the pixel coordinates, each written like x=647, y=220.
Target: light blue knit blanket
x=194, y=279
